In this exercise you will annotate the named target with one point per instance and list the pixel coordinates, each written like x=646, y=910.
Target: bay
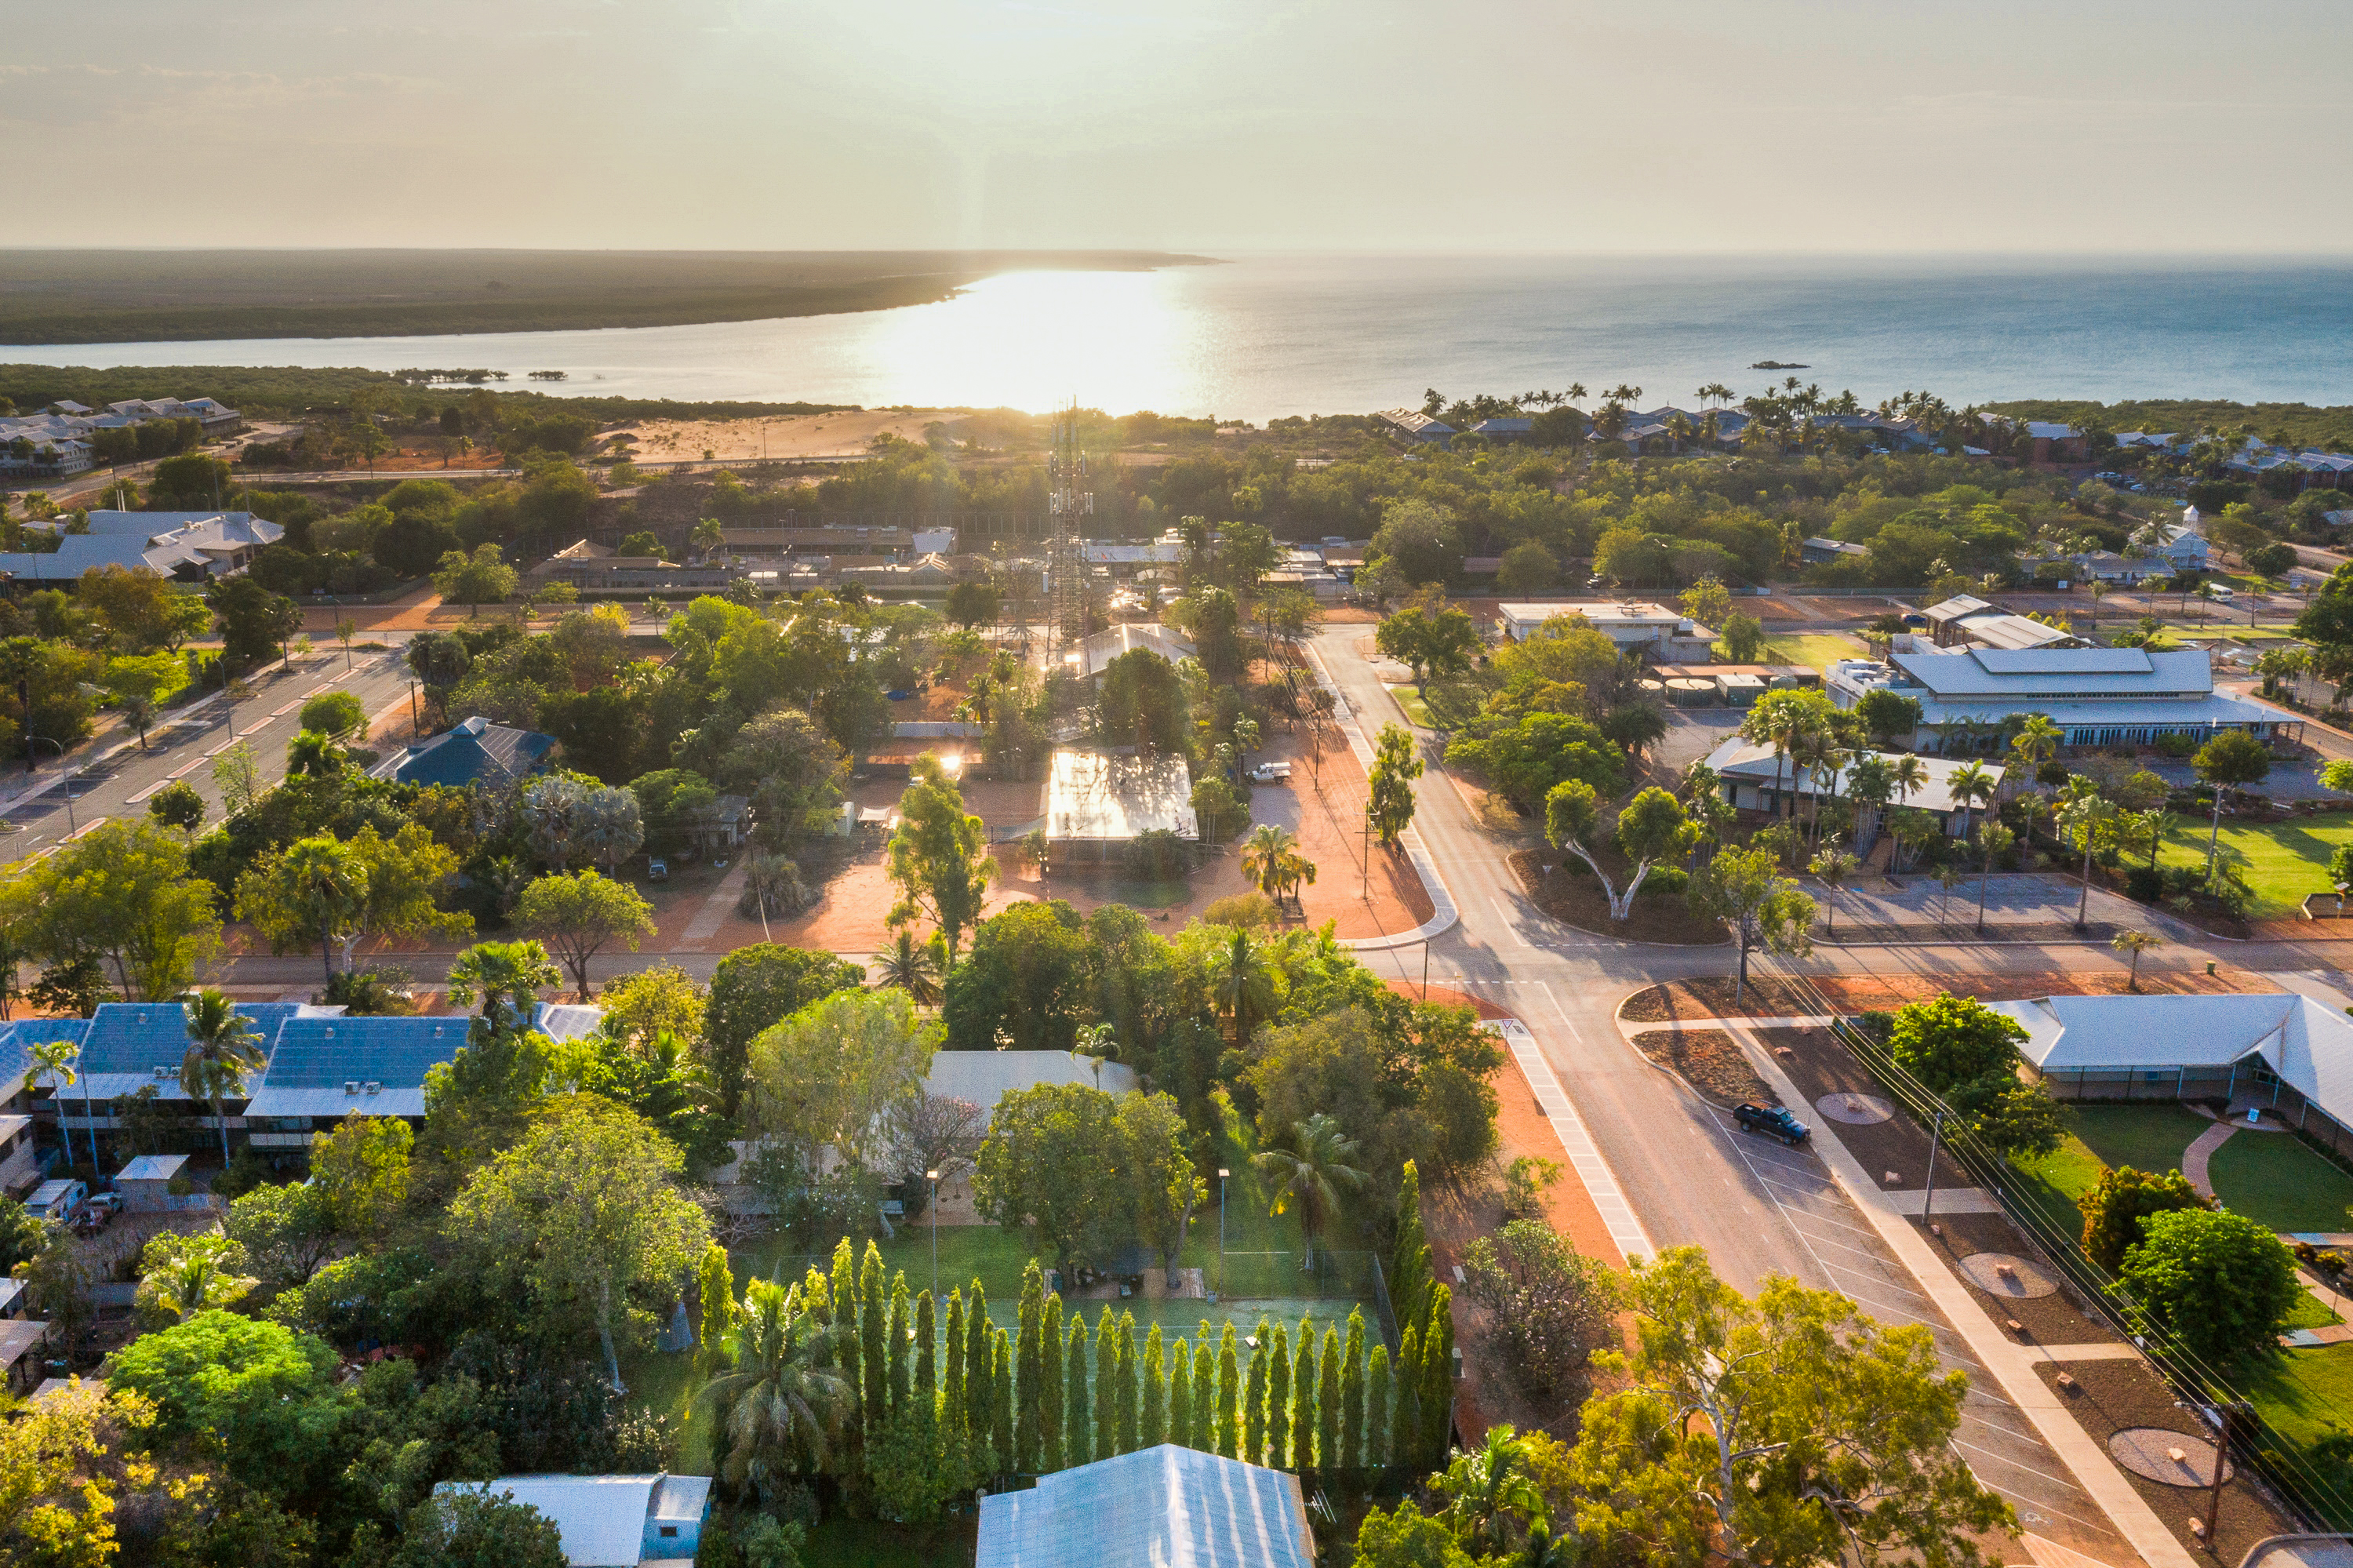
x=1259, y=337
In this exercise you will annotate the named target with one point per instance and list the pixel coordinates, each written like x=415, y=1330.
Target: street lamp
x=1222, y=1174
x=33, y=740
x=934, y=1178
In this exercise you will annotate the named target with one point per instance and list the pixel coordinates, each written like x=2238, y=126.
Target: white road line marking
x=1600, y=1182
x=1508, y=924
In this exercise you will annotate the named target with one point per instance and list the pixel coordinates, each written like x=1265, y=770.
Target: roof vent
x=351, y=1085
x=374, y=1088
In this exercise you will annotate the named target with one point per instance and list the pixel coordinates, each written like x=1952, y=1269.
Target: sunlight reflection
x=1034, y=340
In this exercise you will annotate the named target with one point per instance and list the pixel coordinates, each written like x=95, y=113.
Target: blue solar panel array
x=327, y=1052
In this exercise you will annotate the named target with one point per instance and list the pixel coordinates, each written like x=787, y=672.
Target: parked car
x=1772, y=1121
x=657, y=870
x=2218, y=592
x=1269, y=772
x=91, y=1219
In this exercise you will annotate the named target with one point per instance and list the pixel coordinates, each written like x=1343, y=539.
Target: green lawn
x=1814, y=648
x=869, y=1543
x=2311, y=1312
x=2307, y=1395
x=2147, y=1137
x=1445, y=704
x=2284, y=862
x=1417, y=708
x=2272, y=1177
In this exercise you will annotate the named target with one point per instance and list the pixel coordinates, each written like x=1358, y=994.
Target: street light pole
x=933, y=1177
x=32, y=740
x=1222, y=1173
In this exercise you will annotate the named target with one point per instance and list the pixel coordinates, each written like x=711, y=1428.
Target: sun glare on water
x=1034, y=340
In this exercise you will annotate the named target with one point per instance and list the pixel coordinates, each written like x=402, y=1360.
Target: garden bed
x=1579, y=900
x=1711, y=1062
x=2110, y=1397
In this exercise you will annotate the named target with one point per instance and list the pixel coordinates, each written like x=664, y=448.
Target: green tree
x=1310, y=1176
x=1648, y=828
x=1106, y=1430
x=715, y=1289
x=1389, y=784
x=1229, y=1433
x=1745, y=889
x=2118, y=1203
x=482, y=578
x=120, y=893
x=1328, y=1377
x=475, y=1527
x=1437, y=1392
x=335, y=714
x=1888, y=716
x=754, y=987
x=1277, y=1340
x=224, y=1049
x=1409, y=1260
x=1407, y=1538
x=1744, y=1435
x=140, y=685
x=2233, y=759
x=1744, y=640
x=263, y=1390
x=1180, y=1395
x=1418, y=540
x=1028, y=1378
x=581, y=1213
x=1153, y=1415
x=1053, y=1350
x=1490, y=1492
x=178, y=805
x=578, y=915
x=1352, y=1394
x=1078, y=1415
x=939, y=856
x=285, y=1231
x=362, y=1169
x=1526, y=568
x=911, y=965
x=1376, y=1409
x=1143, y=704
x=2220, y=1284
x=829, y=1076
x=1441, y=644
x=1270, y=859
x=1303, y=1396
x=1041, y=1170
x=255, y=623
x=971, y=604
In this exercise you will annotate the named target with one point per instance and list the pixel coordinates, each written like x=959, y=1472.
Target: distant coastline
x=57, y=298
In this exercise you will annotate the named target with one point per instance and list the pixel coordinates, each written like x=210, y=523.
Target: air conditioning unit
x=161, y=1072
x=351, y=1085
x=375, y=1088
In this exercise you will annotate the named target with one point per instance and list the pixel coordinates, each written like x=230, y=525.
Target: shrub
x=1553, y=1306
x=1157, y=855
x=2145, y=883
x=1249, y=911
x=2176, y=744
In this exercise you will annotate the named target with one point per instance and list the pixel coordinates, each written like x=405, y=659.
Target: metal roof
x=2305, y=1040
x=1116, y=798
x=325, y=1053
x=601, y=1519
x=2057, y=672
x=984, y=1077
x=1164, y=1507
x=475, y=750
x=1753, y=764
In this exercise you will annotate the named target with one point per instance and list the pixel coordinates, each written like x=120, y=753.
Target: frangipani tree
x=1650, y=827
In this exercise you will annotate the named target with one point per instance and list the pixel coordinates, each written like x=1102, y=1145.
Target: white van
x=56, y=1199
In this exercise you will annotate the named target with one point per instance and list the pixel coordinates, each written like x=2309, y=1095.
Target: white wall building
x=1636, y=626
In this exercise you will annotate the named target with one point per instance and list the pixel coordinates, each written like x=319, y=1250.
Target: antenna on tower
x=1073, y=503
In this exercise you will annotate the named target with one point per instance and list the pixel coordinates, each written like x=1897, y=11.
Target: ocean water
x=1262, y=336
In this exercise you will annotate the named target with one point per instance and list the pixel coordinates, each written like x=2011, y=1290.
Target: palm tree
x=1486, y=1491
x=2098, y=590
x=1907, y=774
x=2088, y=820
x=1993, y=839
x=2036, y=742
x=320, y=878
x=223, y=1048
x=912, y=965
x=312, y=755
x=1950, y=875
x=58, y=1058
x=197, y=1283
x=784, y=1399
x=506, y=978
x=2135, y=943
x=1833, y=865
x=707, y=535
x=1094, y=1045
x=1271, y=858
x=1310, y=1175
x=1241, y=983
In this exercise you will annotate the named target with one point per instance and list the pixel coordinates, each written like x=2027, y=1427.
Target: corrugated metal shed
x=1164, y=1507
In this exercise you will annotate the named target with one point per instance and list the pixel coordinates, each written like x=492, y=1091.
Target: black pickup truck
x=1772, y=1121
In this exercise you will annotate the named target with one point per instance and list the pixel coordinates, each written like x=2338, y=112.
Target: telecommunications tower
x=1072, y=505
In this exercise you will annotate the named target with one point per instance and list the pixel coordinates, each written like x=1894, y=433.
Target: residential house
x=1964, y=621
x=474, y=752
x=1415, y=426
x=1163, y=1507
x=189, y=547
x=1504, y=431
x=612, y=1521
x=1821, y=552
x=2180, y=545
x=1971, y=699
x=1650, y=630
x=1097, y=652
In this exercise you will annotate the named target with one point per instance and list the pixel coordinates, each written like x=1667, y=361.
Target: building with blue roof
x=475, y=752
x=325, y=1069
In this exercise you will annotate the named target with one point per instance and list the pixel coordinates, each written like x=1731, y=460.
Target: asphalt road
x=113, y=778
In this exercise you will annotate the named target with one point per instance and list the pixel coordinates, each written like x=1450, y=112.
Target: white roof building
x=2098, y=696
x=1163, y=1507
x=1099, y=651
x=2290, y=1052
x=1635, y=625
x=1097, y=802
x=190, y=546
x=612, y=1521
x=1750, y=782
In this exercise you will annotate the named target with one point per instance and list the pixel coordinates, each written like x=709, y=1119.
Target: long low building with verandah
x=1972, y=700
x=2284, y=1056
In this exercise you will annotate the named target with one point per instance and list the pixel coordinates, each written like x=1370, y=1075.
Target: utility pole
x=1937, y=1136
x=1222, y=1173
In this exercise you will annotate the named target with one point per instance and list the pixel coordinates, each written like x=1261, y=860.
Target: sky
x=1210, y=125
